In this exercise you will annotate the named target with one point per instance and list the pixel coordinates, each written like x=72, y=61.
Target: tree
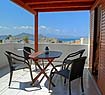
x=0, y=41
x=26, y=39
x=8, y=37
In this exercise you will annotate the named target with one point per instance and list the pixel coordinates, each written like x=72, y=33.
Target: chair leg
x=82, y=84
x=64, y=80
x=69, y=87
x=11, y=73
x=35, y=67
x=31, y=74
x=43, y=63
x=50, y=79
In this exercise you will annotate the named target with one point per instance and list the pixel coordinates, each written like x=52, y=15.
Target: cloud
x=4, y=27
x=48, y=30
x=42, y=27
x=57, y=30
x=23, y=27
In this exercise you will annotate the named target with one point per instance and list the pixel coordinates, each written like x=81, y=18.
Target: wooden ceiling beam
x=63, y=9
x=55, y=5
x=36, y=6
x=58, y=7
x=29, y=2
x=96, y=3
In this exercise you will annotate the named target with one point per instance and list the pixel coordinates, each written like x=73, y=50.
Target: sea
x=67, y=39
x=63, y=39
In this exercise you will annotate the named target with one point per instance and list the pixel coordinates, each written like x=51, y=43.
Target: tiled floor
x=21, y=84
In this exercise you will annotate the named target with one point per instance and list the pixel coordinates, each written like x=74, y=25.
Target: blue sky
x=15, y=20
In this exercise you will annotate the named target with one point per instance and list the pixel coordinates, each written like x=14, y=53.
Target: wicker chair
x=17, y=62
x=27, y=51
x=72, y=56
x=75, y=71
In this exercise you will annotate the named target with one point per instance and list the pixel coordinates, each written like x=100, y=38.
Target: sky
x=15, y=20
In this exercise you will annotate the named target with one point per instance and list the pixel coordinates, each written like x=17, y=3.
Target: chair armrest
x=80, y=52
x=11, y=53
x=66, y=63
x=33, y=49
x=72, y=54
x=61, y=65
x=21, y=60
x=26, y=51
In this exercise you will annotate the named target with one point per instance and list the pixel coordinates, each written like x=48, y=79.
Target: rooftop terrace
x=21, y=84
x=21, y=79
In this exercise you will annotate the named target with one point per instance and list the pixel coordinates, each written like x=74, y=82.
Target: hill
x=21, y=36
x=3, y=37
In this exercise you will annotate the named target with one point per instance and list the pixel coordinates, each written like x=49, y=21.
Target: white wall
x=3, y=47
x=64, y=48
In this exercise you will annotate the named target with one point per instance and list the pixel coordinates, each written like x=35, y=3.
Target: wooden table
x=50, y=57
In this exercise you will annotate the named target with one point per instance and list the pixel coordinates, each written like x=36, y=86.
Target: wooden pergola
x=35, y=6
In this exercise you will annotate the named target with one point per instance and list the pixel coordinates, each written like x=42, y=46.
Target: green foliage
x=26, y=39
x=0, y=41
x=8, y=37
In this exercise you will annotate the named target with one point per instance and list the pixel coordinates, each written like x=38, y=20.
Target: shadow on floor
x=61, y=89
x=26, y=86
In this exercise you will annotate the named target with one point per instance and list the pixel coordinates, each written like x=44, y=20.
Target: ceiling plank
x=58, y=7
x=63, y=9
x=54, y=5
x=28, y=2
x=36, y=6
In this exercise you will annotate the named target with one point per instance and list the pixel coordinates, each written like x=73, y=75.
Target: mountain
x=21, y=36
x=3, y=37
x=41, y=36
x=31, y=36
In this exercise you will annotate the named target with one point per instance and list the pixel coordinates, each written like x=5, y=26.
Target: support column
x=36, y=32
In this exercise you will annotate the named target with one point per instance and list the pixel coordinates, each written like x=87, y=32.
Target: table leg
x=43, y=71
x=52, y=64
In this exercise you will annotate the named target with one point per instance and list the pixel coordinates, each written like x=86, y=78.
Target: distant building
x=84, y=40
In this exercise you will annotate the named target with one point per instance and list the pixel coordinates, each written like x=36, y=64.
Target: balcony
x=21, y=80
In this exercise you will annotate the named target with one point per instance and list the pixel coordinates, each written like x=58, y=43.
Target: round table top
x=51, y=54
x=43, y=55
